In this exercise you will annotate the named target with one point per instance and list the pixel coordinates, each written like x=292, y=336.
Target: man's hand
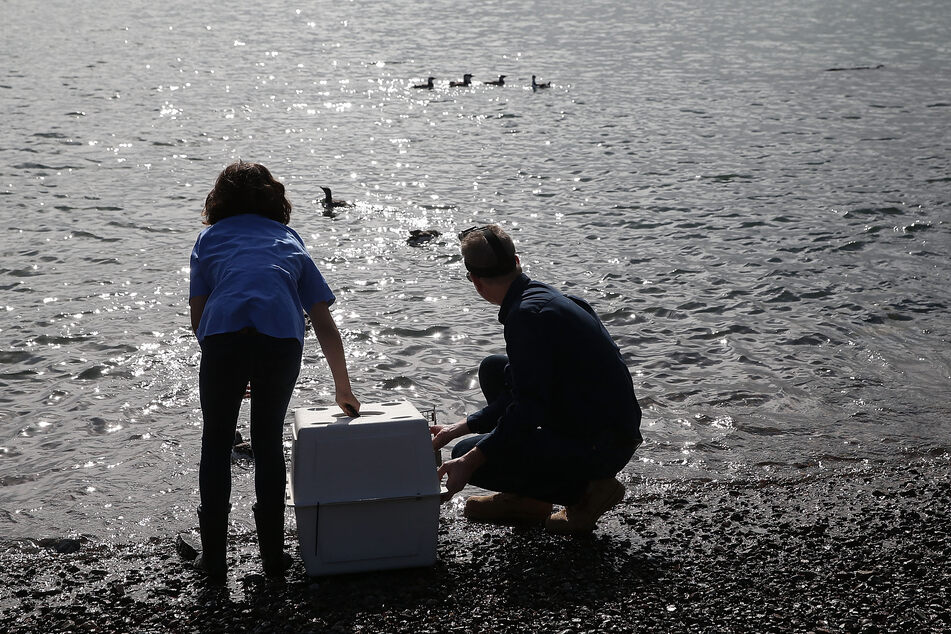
x=443, y=434
x=459, y=471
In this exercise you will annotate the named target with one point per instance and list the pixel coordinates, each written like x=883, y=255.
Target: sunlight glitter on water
x=755, y=321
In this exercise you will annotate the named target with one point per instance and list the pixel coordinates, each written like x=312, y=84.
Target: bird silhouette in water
x=329, y=203
x=419, y=237
x=428, y=85
x=499, y=82
x=537, y=86
x=466, y=81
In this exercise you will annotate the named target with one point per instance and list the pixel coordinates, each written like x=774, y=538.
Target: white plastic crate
x=364, y=489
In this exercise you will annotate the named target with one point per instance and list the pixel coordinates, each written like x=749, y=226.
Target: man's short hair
x=488, y=251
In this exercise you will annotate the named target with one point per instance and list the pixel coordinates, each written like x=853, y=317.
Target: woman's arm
x=330, y=343
x=196, y=306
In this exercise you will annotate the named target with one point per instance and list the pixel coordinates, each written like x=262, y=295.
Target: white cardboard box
x=364, y=490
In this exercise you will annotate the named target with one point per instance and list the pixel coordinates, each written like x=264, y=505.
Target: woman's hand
x=347, y=402
x=443, y=434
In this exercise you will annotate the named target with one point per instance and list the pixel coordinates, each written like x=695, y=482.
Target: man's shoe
x=506, y=508
x=582, y=517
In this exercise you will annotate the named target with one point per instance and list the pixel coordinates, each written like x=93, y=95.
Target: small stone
x=185, y=548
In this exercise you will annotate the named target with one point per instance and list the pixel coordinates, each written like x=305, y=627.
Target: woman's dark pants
x=229, y=362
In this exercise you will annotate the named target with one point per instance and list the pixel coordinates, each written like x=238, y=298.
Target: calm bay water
x=767, y=239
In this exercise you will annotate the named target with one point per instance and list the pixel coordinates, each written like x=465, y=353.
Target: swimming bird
x=419, y=237
x=428, y=85
x=466, y=81
x=537, y=86
x=499, y=82
x=329, y=202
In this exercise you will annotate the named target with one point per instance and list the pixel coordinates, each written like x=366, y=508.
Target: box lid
x=370, y=414
x=384, y=453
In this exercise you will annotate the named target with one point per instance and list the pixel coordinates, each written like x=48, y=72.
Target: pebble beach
x=861, y=550
x=753, y=196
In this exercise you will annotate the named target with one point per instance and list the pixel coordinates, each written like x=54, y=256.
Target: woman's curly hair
x=246, y=188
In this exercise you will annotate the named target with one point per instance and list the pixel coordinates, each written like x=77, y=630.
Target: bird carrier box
x=364, y=489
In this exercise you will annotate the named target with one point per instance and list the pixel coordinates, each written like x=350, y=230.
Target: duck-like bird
x=537, y=86
x=499, y=82
x=330, y=203
x=419, y=237
x=428, y=85
x=466, y=81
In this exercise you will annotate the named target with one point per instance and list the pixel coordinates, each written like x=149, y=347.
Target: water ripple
x=767, y=242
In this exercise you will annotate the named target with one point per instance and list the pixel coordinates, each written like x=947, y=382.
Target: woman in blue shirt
x=251, y=282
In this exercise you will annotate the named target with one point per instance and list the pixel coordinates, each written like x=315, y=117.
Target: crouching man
x=562, y=418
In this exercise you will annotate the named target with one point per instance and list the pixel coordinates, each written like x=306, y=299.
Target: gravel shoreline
x=860, y=551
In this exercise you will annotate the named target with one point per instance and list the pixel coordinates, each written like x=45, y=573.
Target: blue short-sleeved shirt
x=255, y=272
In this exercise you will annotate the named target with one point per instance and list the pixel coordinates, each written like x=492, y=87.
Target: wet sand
x=863, y=551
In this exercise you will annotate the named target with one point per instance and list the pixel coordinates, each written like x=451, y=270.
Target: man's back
x=566, y=372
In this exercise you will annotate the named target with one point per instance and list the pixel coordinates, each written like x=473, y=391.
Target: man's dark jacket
x=565, y=374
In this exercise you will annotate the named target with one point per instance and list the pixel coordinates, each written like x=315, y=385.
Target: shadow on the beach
x=512, y=567
x=478, y=568
x=530, y=567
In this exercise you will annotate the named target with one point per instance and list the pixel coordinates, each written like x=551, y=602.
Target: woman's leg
x=273, y=377
x=277, y=364
x=223, y=375
x=222, y=378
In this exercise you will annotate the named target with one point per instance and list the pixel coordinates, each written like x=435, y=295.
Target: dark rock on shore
x=187, y=547
x=859, y=551
x=61, y=545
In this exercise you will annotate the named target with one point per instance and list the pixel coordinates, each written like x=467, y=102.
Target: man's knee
x=493, y=365
x=492, y=376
